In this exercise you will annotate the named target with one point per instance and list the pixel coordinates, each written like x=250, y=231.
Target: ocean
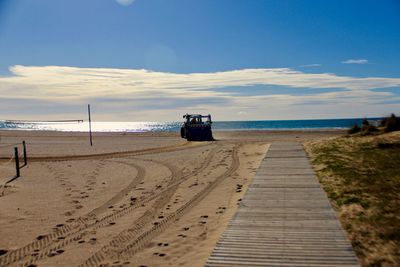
x=175, y=126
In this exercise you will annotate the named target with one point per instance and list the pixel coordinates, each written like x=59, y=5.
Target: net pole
x=25, y=158
x=16, y=156
x=90, y=127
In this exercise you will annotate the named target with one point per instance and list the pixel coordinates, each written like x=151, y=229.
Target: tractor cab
x=197, y=127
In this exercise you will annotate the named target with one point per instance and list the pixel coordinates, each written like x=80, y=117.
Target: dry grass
x=361, y=175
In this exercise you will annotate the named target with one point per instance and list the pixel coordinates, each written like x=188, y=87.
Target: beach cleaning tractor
x=195, y=129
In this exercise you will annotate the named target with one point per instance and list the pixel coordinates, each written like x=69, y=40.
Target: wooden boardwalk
x=285, y=219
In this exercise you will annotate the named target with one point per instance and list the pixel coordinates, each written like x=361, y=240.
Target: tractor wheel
x=183, y=132
x=188, y=136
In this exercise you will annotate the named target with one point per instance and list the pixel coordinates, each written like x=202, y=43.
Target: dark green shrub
x=369, y=129
x=365, y=123
x=391, y=123
x=354, y=129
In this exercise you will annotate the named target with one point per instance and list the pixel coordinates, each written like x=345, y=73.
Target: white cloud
x=119, y=93
x=125, y=2
x=355, y=61
x=73, y=82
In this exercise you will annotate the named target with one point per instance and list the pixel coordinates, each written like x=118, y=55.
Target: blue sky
x=235, y=59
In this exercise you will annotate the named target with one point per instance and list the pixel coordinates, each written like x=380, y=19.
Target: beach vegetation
x=354, y=129
x=386, y=125
x=391, y=124
x=368, y=128
x=361, y=177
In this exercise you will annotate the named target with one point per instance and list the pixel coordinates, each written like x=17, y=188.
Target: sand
x=148, y=199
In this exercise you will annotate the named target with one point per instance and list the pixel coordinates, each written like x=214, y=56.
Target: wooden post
x=90, y=126
x=25, y=158
x=16, y=161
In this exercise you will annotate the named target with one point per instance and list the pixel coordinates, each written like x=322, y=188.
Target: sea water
x=175, y=126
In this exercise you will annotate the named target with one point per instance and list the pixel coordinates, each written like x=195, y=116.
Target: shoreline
x=177, y=132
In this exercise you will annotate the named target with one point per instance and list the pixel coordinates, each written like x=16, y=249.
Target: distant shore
x=268, y=125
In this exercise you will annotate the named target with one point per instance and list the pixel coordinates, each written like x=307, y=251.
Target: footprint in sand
x=221, y=210
x=3, y=252
x=40, y=237
x=52, y=254
x=239, y=188
x=159, y=254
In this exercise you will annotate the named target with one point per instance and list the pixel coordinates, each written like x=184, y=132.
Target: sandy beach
x=145, y=199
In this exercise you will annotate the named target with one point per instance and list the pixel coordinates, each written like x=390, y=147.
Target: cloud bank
x=122, y=93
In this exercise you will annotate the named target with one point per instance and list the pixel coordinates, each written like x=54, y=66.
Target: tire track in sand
x=121, y=154
x=121, y=194
x=72, y=193
x=76, y=230
x=73, y=231
x=130, y=241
